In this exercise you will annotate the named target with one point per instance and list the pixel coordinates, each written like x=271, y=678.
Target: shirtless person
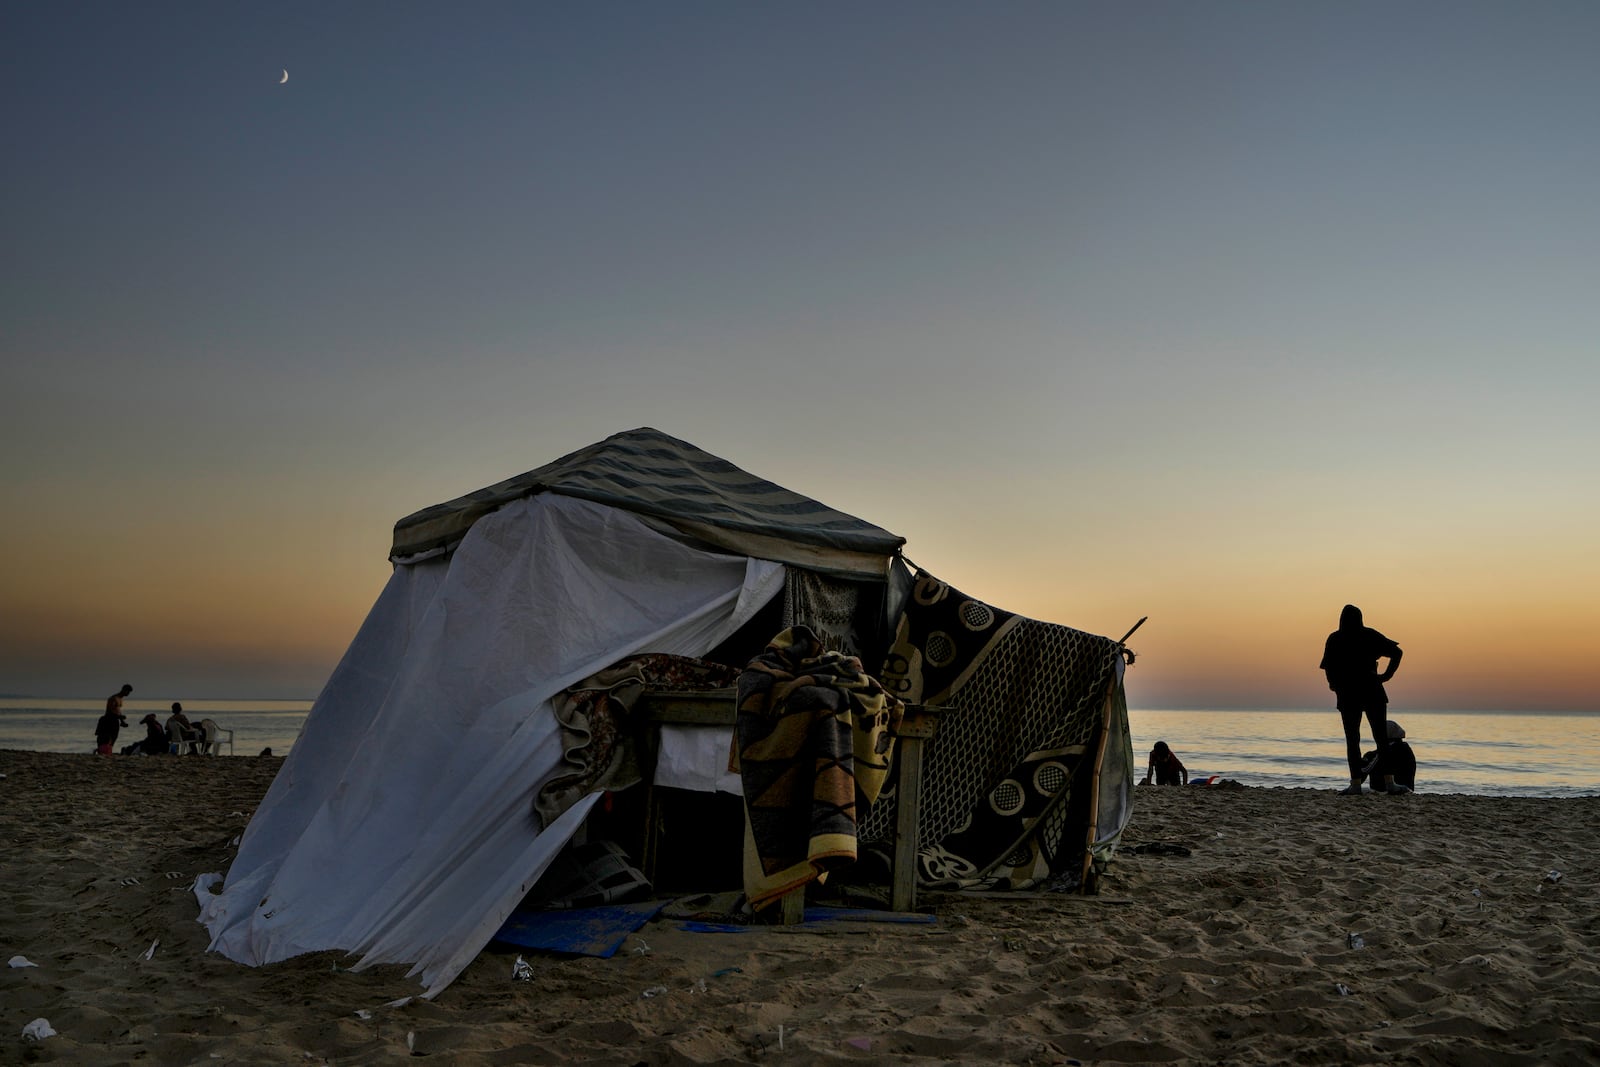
x=111, y=723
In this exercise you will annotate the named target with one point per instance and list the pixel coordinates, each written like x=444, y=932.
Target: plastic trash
x=521, y=971
x=38, y=1030
x=363, y=1013
x=150, y=953
x=653, y=991
x=643, y=948
x=1344, y=990
x=1355, y=940
x=22, y=961
x=402, y=1002
x=1553, y=877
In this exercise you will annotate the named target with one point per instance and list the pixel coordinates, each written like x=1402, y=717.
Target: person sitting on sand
x=1402, y=762
x=155, y=737
x=1165, y=767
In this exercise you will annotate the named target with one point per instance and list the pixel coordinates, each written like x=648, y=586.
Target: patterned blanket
x=601, y=742
x=813, y=747
x=1005, y=788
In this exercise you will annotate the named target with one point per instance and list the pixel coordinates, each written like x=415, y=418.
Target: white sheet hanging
x=401, y=825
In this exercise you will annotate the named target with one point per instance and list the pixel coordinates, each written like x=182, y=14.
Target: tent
x=401, y=824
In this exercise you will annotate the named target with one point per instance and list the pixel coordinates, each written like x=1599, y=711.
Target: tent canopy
x=401, y=826
x=695, y=493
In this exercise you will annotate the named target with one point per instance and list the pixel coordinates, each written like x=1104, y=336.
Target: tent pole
x=1094, y=784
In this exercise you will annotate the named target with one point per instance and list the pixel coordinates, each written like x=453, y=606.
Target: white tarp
x=401, y=825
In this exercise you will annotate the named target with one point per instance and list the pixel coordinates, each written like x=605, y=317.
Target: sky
x=1223, y=314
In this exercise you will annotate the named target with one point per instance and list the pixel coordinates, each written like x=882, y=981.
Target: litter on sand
x=38, y=1030
x=22, y=961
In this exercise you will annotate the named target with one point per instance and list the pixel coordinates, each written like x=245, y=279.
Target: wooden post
x=794, y=906
x=915, y=728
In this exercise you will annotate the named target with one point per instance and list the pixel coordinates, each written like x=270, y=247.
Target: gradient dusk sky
x=1224, y=314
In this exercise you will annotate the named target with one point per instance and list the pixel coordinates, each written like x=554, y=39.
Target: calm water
x=39, y=725
x=1500, y=753
x=1532, y=754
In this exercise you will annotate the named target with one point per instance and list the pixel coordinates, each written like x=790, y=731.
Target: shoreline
x=1238, y=952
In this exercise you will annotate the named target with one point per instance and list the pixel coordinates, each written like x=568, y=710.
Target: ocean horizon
x=1477, y=752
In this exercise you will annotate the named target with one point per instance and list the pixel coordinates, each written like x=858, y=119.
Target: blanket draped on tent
x=813, y=746
x=1012, y=763
x=601, y=742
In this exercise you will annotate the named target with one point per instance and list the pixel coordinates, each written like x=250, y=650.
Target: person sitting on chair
x=182, y=732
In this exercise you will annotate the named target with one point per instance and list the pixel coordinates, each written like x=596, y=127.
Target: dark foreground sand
x=1238, y=953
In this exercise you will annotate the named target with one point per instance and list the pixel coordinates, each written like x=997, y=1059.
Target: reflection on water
x=1487, y=753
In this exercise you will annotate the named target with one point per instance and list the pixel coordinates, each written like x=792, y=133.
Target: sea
x=36, y=724
x=1487, y=753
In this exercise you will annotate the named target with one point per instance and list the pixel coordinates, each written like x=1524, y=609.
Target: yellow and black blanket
x=813, y=743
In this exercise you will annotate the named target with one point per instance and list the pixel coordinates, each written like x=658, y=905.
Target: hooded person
x=1350, y=661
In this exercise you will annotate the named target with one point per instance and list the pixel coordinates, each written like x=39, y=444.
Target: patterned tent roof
x=696, y=493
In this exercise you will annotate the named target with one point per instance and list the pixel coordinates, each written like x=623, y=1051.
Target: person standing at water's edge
x=1350, y=661
x=111, y=723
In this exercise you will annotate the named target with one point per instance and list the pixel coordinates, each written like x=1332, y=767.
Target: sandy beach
x=1472, y=948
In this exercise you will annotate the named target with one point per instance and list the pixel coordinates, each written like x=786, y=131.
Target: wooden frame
x=717, y=708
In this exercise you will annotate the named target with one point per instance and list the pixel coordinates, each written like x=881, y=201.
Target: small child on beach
x=1165, y=767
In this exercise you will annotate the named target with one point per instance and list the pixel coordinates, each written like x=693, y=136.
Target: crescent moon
x=285, y=79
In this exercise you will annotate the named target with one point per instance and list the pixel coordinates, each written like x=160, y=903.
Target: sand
x=1238, y=953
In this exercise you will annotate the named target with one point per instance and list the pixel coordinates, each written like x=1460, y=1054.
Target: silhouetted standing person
x=1350, y=660
x=111, y=723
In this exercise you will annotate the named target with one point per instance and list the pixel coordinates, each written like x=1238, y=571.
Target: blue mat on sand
x=578, y=931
